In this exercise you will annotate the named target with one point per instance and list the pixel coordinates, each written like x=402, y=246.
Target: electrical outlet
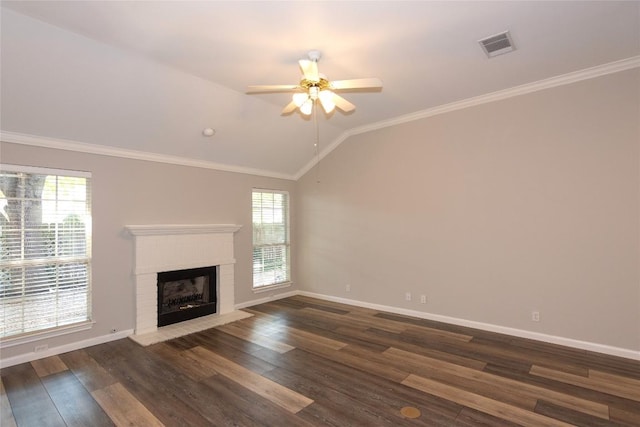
x=535, y=316
x=423, y=299
x=348, y=288
x=407, y=296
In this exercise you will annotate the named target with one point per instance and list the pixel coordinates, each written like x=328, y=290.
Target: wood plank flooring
x=307, y=362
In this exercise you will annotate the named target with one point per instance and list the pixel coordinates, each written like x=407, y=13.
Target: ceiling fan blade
x=309, y=69
x=342, y=103
x=289, y=108
x=366, y=83
x=272, y=88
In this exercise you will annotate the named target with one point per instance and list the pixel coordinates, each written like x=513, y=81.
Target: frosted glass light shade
x=306, y=107
x=326, y=99
x=299, y=99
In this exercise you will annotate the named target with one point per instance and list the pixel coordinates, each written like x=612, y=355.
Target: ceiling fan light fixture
x=307, y=107
x=326, y=99
x=313, y=92
x=314, y=86
x=300, y=98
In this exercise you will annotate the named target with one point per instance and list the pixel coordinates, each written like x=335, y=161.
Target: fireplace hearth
x=186, y=294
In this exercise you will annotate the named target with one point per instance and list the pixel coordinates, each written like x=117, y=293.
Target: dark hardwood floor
x=307, y=362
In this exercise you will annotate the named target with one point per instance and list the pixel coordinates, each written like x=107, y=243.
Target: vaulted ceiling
x=148, y=77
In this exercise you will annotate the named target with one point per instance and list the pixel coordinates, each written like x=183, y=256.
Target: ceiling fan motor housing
x=321, y=84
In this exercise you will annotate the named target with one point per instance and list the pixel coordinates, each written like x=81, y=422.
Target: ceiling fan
x=315, y=86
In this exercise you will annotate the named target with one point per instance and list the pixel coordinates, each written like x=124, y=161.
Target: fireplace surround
x=161, y=248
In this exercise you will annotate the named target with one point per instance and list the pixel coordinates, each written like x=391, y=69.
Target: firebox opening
x=186, y=294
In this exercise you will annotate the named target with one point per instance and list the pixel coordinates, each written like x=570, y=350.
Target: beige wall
x=138, y=192
x=530, y=203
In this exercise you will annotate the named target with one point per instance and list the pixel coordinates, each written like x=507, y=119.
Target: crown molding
x=564, y=79
x=83, y=147
x=573, y=77
x=328, y=149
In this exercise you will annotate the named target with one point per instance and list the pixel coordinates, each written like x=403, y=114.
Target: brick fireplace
x=161, y=248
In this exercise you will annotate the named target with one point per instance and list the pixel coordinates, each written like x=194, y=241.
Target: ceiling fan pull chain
x=317, y=144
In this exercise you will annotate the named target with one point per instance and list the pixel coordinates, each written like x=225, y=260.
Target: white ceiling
x=149, y=76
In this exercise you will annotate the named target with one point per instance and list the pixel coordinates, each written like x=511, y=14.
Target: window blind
x=271, y=263
x=45, y=249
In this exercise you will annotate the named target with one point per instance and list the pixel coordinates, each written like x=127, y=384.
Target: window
x=271, y=262
x=45, y=249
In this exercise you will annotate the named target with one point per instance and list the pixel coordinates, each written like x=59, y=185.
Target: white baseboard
x=28, y=357
x=266, y=299
x=552, y=339
x=569, y=342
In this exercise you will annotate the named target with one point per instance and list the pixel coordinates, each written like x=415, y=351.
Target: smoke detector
x=497, y=44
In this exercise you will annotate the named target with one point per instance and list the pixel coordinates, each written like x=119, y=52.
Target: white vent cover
x=497, y=44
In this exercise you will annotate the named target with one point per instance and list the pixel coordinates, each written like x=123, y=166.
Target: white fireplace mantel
x=168, y=247
x=167, y=229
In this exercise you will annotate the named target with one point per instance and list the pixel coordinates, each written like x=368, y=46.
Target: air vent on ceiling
x=497, y=44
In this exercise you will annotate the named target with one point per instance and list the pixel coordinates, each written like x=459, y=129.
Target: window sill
x=42, y=335
x=271, y=287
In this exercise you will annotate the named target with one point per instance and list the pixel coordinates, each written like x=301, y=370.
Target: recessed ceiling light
x=209, y=132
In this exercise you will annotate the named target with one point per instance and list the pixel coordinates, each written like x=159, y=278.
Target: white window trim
x=13, y=340
x=44, y=171
x=45, y=334
x=287, y=283
x=268, y=288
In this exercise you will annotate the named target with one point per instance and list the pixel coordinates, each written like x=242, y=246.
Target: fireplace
x=186, y=294
x=161, y=248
